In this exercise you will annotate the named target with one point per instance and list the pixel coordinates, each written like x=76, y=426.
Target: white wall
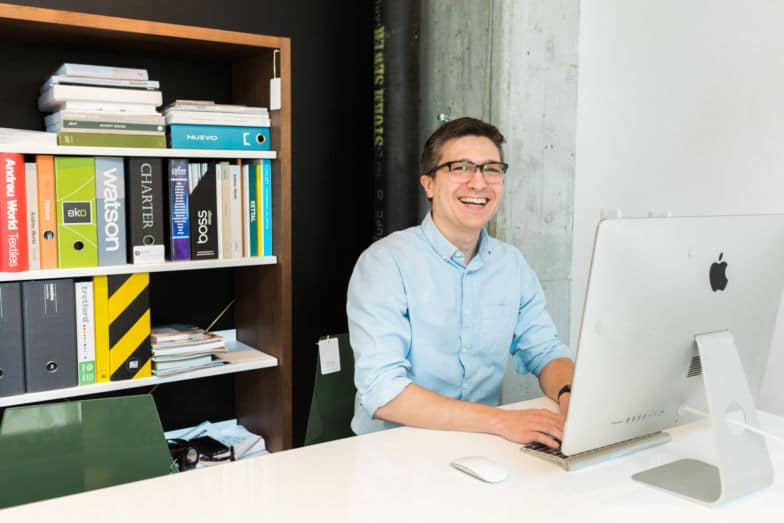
x=681, y=107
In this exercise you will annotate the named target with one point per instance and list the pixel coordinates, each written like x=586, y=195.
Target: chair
x=62, y=448
x=332, y=403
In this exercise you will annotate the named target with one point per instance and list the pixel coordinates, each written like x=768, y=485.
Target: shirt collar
x=444, y=247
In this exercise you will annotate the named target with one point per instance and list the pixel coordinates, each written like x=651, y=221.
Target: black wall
x=332, y=157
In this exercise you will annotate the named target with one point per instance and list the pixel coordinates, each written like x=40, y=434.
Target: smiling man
x=435, y=310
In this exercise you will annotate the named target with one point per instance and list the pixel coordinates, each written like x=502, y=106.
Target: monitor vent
x=695, y=367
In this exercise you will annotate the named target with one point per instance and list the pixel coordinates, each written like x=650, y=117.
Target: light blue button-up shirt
x=417, y=313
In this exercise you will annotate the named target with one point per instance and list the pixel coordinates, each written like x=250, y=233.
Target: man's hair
x=465, y=126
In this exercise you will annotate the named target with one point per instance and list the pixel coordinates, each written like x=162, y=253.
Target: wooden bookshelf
x=262, y=288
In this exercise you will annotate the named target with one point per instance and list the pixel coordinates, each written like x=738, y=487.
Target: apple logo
x=718, y=274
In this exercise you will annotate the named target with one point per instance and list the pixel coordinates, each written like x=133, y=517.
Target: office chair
x=62, y=448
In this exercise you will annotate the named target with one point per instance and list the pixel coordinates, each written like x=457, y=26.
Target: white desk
x=403, y=476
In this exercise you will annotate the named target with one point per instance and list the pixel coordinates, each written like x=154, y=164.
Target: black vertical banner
x=396, y=115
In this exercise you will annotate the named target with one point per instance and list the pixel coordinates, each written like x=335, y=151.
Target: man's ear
x=426, y=182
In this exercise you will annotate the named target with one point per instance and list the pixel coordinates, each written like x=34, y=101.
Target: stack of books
x=95, y=105
x=203, y=124
x=180, y=348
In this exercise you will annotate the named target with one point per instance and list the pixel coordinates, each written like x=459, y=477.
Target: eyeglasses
x=463, y=170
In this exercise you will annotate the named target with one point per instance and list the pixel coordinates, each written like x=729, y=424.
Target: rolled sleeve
x=379, y=330
x=536, y=339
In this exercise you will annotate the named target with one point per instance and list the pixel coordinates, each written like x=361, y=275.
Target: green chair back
x=62, y=448
x=332, y=404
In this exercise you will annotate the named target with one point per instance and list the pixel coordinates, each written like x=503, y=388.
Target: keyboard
x=598, y=455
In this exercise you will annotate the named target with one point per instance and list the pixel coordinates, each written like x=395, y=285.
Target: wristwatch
x=566, y=388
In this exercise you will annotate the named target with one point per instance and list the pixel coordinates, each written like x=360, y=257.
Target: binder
x=110, y=205
x=144, y=199
x=47, y=213
x=11, y=341
x=77, y=234
x=49, y=322
x=189, y=136
x=202, y=209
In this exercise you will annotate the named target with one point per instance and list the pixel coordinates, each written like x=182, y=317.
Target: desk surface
x=403, y=475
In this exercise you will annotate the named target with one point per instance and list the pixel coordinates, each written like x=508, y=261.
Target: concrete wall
x=680, y=108
x=514, y=63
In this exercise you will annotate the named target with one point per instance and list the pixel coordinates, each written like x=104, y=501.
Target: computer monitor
x=654, y=285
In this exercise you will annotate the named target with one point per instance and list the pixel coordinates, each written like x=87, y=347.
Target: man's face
x=462, y=207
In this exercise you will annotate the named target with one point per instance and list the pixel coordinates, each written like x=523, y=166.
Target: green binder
x=56, y=449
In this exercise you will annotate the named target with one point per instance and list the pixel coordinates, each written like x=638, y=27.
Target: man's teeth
x=477, y=201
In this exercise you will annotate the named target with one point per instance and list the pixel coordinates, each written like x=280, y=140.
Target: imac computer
x=678, y=311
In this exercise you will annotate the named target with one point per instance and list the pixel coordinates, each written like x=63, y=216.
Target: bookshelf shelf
x=130, y=269
x=253, y=360
x=241, y=66
x=65, y=150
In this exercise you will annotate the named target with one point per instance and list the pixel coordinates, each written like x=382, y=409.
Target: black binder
x=203, y=213
x=11, y=340
x=49, y=319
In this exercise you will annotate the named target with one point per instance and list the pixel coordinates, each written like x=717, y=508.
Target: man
x=435, y=310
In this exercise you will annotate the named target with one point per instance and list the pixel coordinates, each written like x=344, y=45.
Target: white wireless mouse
x=481, y=468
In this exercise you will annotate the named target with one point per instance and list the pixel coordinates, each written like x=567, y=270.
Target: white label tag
x=149, y=254
x=274, y=94
x=329, y=355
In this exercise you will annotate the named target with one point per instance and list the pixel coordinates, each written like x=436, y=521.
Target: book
x=224, y=206
x=109, y=107
x=13, y=214
x=215, y=118
x=144, y=204
x=85, y=332
x=11, y=342
x=53, y=97
x=108, y=126
x=219, y=137
x=56, y=79
x=48, y=312
x=235, y=209
x=253, y=206
x=102, y=71
x=110, y=210
x=181, y=362
x=202, y=210
x=31, y=193
x=176, y=332
x=266, y=207
x=105, y=139
x=245, y=173
x=198, y=338
x=211, y=106
x=259, y=207
x=179, y=220
x=72, y=130
x=171, y=372
x=122, y=325
x=47, y=214
x=77, y=234
x=83, y=117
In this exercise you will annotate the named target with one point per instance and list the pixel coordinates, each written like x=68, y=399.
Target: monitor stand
x=742, y=457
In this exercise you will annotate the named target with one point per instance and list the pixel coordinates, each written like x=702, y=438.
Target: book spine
x=86, y=139
x=92, y=125
x=105, y=82
x=53, y=97
x=85, y=332
x=101, y=318
x=179, y=221
x=219, y=137
x=245, y=210
x=62, y=116
x=219, y=207
x=110, y=107
x=31, y=189
x=203, y=211
x=47, y=214
x=226, y=237
x=110, y=203
x=260, y=208
x=48, y=312
x=253, y=210
x=12, y=340
x=102, y=71
x=13, y=214
x=266, y=168
x=144, y=196
x=77, y=234
x=130, y=352
x=235, y=209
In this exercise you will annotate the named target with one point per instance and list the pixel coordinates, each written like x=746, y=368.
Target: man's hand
x=525, y=426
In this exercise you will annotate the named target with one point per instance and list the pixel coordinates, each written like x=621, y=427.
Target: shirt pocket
x=497, y=327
